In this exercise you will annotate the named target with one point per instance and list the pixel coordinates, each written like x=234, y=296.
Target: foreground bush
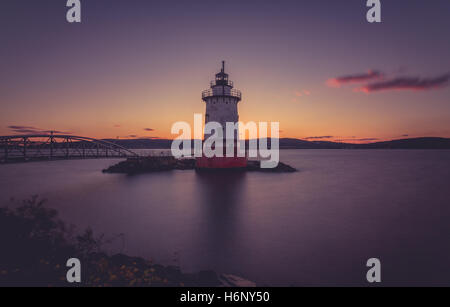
x=36, y=244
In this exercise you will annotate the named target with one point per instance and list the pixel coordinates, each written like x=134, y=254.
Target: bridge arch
x=41, y=147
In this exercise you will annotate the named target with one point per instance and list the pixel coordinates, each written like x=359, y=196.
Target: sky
x=132, y=68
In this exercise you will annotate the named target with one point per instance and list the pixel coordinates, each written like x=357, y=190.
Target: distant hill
x=411, y=143
x=142, y=143
x=414, y=143
x=287, y=143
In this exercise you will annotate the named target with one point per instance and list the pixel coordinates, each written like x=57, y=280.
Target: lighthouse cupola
x=222, y=77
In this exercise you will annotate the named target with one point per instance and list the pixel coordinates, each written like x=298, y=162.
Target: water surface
x=314, y=227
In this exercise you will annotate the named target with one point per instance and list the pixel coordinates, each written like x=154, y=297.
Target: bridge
x=42, y=147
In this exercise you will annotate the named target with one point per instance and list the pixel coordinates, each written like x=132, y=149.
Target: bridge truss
x=41, y=147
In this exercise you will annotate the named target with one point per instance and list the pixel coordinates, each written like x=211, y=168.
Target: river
x=315, y=227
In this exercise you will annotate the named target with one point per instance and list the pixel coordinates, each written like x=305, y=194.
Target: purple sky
x=133, y=67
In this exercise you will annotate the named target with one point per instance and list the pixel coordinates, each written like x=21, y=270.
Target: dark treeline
x=288, y=143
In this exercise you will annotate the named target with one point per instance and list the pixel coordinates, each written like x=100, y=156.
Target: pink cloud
x=407, y=83
x=357, y=78
x=301, y=93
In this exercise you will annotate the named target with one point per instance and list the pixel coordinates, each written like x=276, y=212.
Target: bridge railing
x=52, y=147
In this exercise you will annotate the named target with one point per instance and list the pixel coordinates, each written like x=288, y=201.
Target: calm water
x=314, y=227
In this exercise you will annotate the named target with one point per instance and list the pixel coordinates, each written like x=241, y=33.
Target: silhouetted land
x=167, y=163
x=287, y=143
x=36, y=245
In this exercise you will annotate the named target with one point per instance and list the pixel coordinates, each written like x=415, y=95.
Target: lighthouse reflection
x=221, y=200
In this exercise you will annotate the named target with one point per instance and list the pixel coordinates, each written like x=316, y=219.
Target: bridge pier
x=51, y=146
x=5, y=143
x=24, y=148
x=67, y=148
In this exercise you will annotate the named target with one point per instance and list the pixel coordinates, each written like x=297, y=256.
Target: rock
x=166, y=163
x=255, y=166
x=208, y=279
x=229, y=280
x=148, y=164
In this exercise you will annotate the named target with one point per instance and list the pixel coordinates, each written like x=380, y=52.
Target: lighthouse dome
x=221, y=86
x=222, y=77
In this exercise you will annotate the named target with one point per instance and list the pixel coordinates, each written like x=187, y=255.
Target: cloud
x=116, y=126
x=407, y=83
x=23, y=129
x=34, y=130
x=149, y=129
x=356, y=78
x=405, y=135
x=319, y=137
x=55, y=131
x=302, y=93
x=135, y=136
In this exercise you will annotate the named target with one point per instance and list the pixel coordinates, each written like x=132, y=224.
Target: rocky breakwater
x=167, y=163
x=150, y=164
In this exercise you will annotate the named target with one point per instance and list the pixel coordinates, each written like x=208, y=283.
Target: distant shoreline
x=289, y=143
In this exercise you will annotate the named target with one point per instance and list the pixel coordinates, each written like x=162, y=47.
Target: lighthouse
x=221, y=101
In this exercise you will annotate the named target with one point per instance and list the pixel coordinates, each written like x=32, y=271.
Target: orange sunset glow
x=105, y=81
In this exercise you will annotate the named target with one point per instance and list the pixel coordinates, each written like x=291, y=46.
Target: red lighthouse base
x=221, y=163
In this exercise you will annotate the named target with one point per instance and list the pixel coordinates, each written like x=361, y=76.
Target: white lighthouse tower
x=222, y=107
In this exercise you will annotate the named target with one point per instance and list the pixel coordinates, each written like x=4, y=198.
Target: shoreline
x=167, y=163
x=41, y=243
